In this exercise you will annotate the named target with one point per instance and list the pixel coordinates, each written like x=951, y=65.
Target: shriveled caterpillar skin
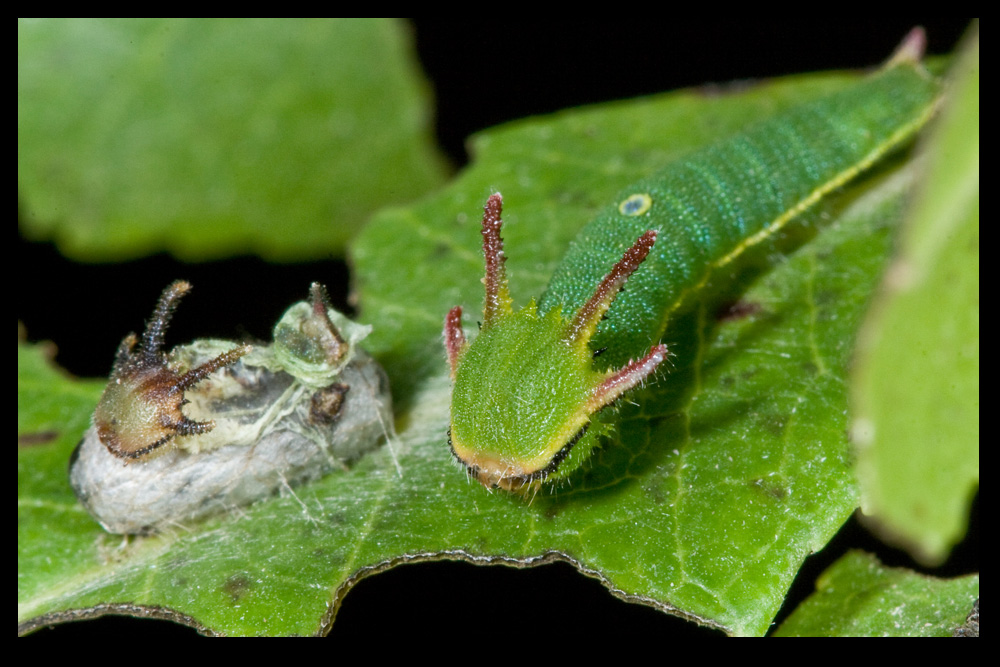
x=528, y=388
x=180, y=486
x=711, y=205
x=277, y=415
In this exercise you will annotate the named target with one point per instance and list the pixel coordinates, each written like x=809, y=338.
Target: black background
x=482, y=74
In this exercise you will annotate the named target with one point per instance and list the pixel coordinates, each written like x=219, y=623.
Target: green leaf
x=915, y=389
x=52, y=527
x=214, y=137
x=858, y=596
x=727, y=474
x=735, y=466
x=232, y=575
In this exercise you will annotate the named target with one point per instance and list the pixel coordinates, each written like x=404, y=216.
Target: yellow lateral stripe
x=895, y=139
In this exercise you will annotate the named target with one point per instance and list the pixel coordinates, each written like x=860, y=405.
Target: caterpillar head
x=526, y=390
x=140, y=410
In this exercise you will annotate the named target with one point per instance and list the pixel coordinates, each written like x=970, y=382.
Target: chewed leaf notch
x=525, y=390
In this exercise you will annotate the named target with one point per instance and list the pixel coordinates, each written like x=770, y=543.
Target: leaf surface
x=725, y=475
x=214, y=137
x=860, y=597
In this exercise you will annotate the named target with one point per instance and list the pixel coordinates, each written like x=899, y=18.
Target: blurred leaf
x=214, y=137
x=860, y=597
x=915, y=389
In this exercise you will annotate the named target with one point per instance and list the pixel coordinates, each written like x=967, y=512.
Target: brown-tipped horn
x=585, y=322
x=910, y=50
x=454, y=338
x=497, y=293
x=625, y=378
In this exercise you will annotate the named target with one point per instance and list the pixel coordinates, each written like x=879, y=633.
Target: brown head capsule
x=140, y=409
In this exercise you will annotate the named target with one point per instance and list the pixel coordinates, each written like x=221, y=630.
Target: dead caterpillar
x=211, y=426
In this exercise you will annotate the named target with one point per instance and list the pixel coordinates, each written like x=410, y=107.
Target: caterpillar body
x=530, y=392
x=210, y=426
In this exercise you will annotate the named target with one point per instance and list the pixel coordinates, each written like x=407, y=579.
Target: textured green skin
x=709, y=203
x=519, y=346
x=520, y=386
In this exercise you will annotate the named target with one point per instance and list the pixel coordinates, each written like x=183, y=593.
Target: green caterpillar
x=528, y=389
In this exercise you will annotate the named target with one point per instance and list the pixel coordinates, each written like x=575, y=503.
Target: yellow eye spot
x=636, y=204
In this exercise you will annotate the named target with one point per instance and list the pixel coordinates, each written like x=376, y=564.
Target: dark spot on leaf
x=737, y=310
x=770, y=423
x=921, y=510
x=826, y=298
x=810, y=368
x=331, y=559
x=36, y=438
x=770, y=488
x=236, y=587
x=655, y=490
x=551, y=512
